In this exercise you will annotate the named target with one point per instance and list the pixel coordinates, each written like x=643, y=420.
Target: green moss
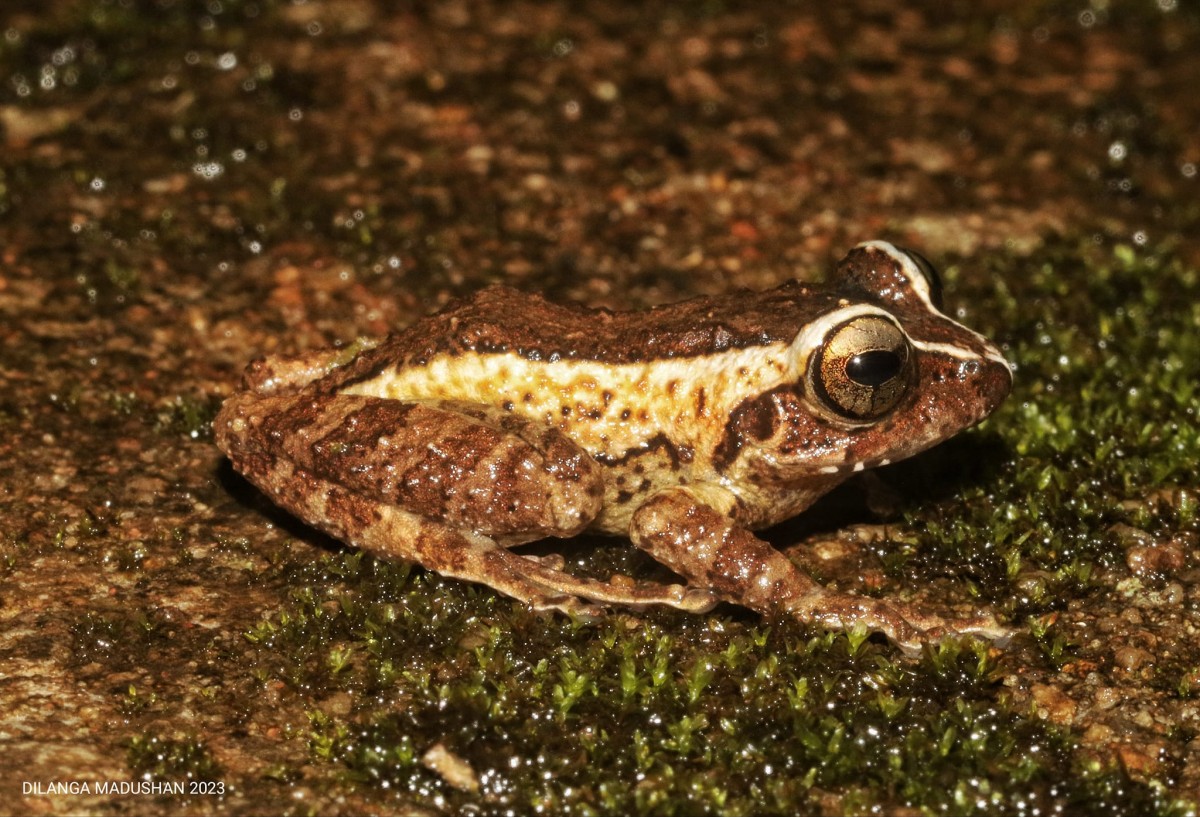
x=664, y=714
x=118, y=640
x=172, y=760
x=136, y=702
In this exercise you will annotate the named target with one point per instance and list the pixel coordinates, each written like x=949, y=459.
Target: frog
x=689, y=428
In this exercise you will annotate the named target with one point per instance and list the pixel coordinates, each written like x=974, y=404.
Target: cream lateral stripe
x=961, y=352
x=449, y=374
x=663, y=391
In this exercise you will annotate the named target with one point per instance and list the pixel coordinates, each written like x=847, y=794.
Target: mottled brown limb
x=279, y=374
x=538, y=582
x=703, y=545
x=475, y=468
x=393, y=532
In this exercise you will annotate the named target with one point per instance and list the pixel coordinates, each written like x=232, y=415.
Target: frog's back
x=501, y=320
x=614, y=382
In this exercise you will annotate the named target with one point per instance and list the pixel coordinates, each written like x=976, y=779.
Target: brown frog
x=505, y=418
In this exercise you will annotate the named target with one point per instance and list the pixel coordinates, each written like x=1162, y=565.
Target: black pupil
x=873, y=368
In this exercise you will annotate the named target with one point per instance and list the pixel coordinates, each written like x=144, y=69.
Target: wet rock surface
x=189, y=185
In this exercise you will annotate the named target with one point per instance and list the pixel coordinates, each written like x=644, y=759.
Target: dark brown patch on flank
x=659, y=442
x=754, y=419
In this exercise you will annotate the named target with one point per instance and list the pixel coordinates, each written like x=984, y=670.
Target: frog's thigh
x=706, y=547
x=472, y=467
x=394, y=532
x=477, y=558
x=438, y=483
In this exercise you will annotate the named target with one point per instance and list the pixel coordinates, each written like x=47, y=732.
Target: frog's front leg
x=446, y=485
x=690, y=530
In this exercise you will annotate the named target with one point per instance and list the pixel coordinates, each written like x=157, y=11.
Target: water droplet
x=208, y=170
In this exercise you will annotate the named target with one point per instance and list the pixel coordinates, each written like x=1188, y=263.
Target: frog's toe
x=552, y=561
x=929, y=629
x=695, y=599
x=907, y=627
x=984, y=627
x=571, y=605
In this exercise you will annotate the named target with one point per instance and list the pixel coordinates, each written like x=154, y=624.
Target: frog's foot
x=281, y=374
x=907, y=627
x=681, y=528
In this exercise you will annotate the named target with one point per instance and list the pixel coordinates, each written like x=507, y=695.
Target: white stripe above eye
x=815, y=333
x=920, y=285
x=916, y=278
x=960, y=352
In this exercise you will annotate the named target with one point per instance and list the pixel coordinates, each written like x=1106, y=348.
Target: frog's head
x=878, y=376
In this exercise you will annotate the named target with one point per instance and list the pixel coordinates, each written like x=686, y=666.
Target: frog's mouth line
x=854, y=468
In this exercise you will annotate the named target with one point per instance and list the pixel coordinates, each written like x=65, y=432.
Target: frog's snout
x=994, y=379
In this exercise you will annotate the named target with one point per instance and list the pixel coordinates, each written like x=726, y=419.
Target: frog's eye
x=929, y=274
x=863, y=369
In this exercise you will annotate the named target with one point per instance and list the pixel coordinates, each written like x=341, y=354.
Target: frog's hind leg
x=537, y=582
x=393, y=532
x=690, y=531
x=447, y=485
x=280, y=374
